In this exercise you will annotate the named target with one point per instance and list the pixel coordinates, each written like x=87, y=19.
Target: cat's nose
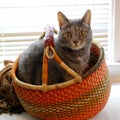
x=75, y=42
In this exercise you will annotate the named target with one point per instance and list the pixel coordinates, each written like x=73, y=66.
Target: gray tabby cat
x=72, y=46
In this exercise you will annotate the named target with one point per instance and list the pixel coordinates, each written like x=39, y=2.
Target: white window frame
x=114, y=66
x=116, y=30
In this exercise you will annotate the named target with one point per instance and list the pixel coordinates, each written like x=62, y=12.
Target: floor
x=110, y=112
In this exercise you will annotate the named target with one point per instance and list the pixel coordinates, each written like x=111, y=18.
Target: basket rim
x=59, y=85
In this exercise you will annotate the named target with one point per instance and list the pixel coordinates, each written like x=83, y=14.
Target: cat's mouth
x=77, y=46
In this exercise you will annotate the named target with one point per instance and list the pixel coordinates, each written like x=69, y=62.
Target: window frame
x=114, y=63
x=116, y=28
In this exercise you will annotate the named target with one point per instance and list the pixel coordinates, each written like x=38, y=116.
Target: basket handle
x=49, y=53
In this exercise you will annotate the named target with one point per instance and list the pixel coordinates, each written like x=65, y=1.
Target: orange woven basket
x=77, y=99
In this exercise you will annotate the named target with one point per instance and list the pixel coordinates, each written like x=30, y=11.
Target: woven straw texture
x=79, y=101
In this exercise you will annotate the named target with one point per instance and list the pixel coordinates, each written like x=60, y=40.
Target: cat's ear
x=87, y=17
x=62, y=19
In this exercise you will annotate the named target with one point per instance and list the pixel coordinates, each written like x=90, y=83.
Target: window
x=22, y=21
x=116, y=30
x=114, y=48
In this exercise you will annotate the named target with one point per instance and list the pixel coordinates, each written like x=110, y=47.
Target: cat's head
x=76, y=33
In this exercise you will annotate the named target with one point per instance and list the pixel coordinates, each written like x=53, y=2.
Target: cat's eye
x=83, y=33
x=68, y=35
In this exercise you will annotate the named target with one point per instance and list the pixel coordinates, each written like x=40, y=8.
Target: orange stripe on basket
x=64, y=94
x=90, y=99
x=83, y=114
